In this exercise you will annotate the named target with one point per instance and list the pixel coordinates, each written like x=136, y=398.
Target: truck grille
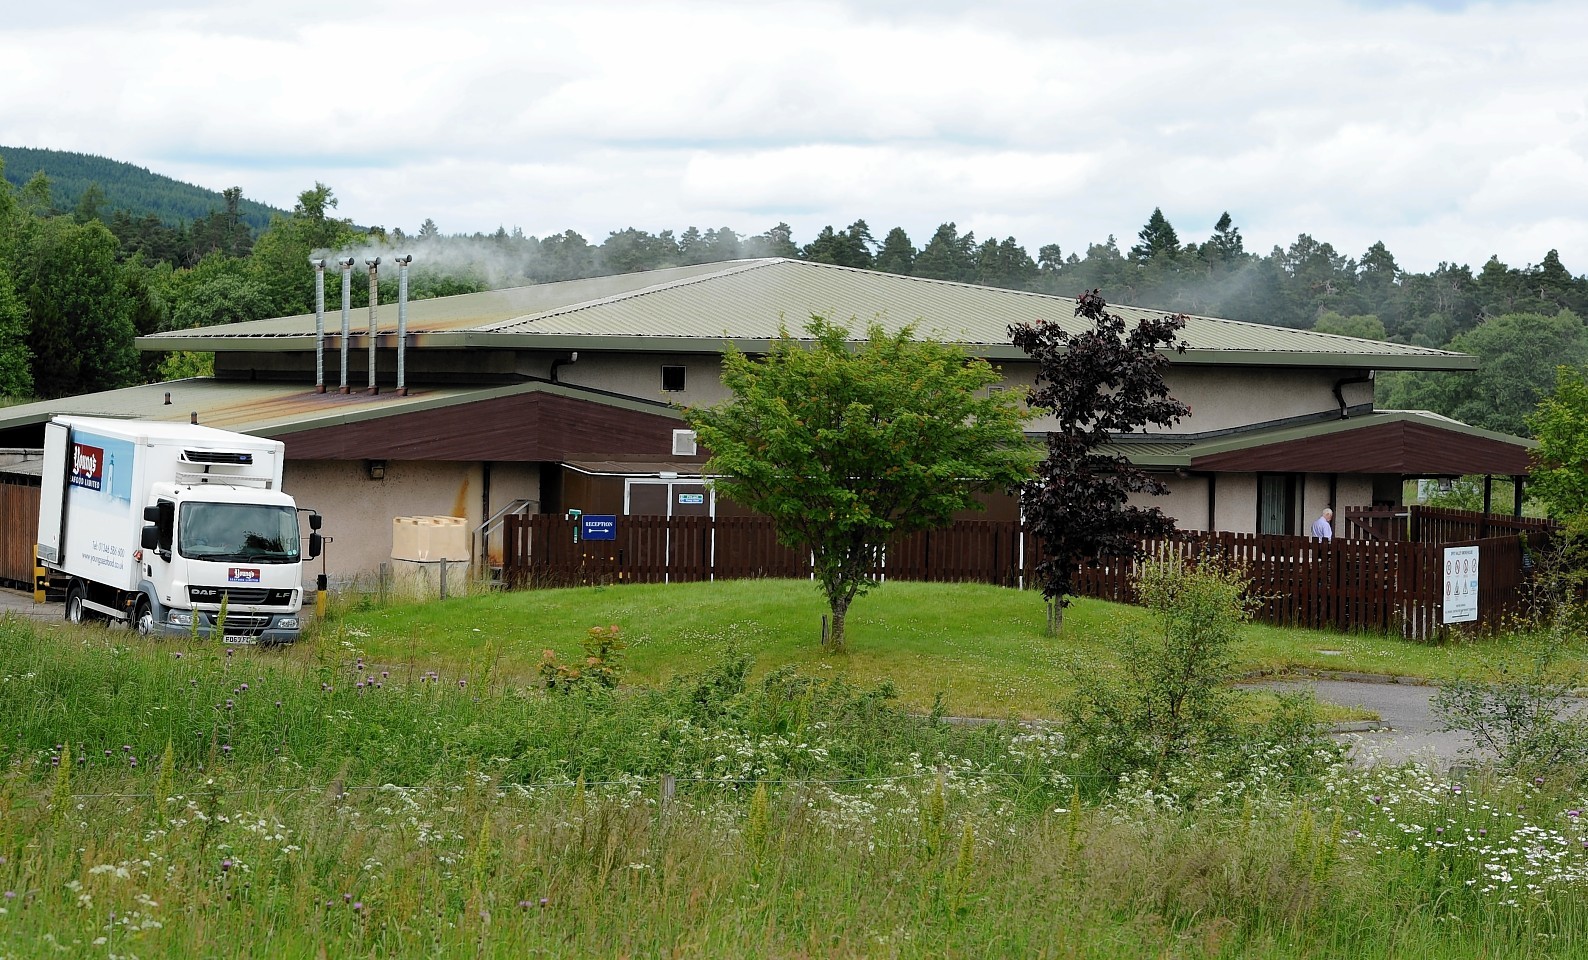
x=242, y=624
x=275, y=598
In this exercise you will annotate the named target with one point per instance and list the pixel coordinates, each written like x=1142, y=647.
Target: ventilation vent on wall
x=683, y=443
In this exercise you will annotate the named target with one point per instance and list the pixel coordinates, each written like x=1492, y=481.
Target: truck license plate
x=238, y=638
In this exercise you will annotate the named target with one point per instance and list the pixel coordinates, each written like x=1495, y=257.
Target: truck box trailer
x=176, y=528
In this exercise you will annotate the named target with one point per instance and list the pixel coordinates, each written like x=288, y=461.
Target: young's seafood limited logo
x=88, y=466
x=242, y=574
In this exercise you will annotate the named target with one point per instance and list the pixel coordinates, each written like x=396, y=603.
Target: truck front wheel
x=143, y=617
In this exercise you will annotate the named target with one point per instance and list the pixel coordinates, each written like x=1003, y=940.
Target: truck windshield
x=238, y=531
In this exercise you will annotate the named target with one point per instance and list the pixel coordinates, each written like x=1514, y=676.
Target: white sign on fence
x=1461, y=585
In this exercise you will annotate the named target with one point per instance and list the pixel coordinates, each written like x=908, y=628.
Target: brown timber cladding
x=19, y=526
x=1347, y=585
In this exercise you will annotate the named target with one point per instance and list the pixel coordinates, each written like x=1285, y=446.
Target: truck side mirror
x=314, y=521
x=316, y=544
x=151, y=513
x=150, y=539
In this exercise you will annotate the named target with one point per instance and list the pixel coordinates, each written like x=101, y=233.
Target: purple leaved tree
x=1098, y=384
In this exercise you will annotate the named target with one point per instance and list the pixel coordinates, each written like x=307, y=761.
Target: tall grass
x=420, y=816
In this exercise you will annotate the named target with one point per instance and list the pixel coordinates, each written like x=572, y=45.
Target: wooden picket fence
x=1383, y=585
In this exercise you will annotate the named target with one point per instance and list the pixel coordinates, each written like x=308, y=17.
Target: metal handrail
x=491, y=523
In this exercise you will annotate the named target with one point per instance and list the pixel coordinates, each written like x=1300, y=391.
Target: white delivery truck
x=159, y=524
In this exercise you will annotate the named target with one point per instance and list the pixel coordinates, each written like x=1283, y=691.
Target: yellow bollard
x=40, y=579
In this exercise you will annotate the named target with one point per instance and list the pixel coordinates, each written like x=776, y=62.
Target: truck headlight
x=179, y=618
x=288, y=623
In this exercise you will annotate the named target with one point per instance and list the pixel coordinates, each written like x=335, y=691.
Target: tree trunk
x=835, y=640
x=1055, y=617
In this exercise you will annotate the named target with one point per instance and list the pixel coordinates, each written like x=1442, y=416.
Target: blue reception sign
x=599, y=527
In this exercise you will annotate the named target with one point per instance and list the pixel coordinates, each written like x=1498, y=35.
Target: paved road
x=22, y=605
x=1410, y=730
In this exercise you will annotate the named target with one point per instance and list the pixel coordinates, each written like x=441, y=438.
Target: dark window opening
x=1276, y=503
x=672, y=379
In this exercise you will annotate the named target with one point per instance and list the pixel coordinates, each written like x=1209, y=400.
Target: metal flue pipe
x=402, y=320
x=346, y=263
x=374, y=302
x=319, y=324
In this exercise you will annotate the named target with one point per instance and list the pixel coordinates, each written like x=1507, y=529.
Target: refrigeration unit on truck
x=175, y=528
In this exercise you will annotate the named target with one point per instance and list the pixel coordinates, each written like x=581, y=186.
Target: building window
x=672, y=379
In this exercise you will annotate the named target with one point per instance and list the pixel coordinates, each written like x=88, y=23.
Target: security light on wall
x=376, y=469
x=684, y=443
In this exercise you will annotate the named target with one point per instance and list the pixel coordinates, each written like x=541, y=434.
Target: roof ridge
x=734, y=266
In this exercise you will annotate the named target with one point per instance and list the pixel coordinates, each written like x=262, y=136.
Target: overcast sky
x=1448, y=130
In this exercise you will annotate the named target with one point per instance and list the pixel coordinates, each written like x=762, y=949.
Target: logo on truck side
x=88, y=466
x=242, y=574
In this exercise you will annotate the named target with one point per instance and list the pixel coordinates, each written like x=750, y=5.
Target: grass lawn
x=983, y=648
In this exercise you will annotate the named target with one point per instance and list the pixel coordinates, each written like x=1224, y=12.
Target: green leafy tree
x=1517, y=355
x=80, y=324
x=1365, y=326
x=776, y=242
x=846, y=445
x=1559, y=476
x=16, y=360
x=280, y=260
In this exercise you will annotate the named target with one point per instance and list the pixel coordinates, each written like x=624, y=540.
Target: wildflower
x=179, y=654
x=11, y=894
x=1538, y=781
x=1376, y=798
x=346, y=898
x=384, y=674
x=243, y=687
x=226, y=864
x=226, y=748
x=126, y=748
x=278, y=703
x=358, y=907
x=462, y=682
x=132, y=761
x=524, y=904
x=228, y=704
x=1574, y=814
x=544, y=901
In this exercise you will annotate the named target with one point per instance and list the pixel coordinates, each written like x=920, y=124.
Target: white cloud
x=1448, y=131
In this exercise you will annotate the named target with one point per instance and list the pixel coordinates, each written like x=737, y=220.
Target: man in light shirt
x=1323, y=527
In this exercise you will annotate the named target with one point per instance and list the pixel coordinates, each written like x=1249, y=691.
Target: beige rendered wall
x=359, y=511
x=638, y=375
x=1186, y=501
x=1221, y=398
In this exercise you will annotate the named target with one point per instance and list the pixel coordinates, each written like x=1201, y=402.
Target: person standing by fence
x=1323, y=527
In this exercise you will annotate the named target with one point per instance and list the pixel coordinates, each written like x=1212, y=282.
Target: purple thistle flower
x=347, y=898
x=11, y=894
x=384, y=674
x=1574, y=814
x=228, y=704
x=55, y=761
x=226, y=864
x=1483, y=831
x=107, y=753
x=178, y=654
x=359, y=685
x=1376, y=798
x=545, y=901
x=126, y=748
x=358, y=907
x=278, y=703
x=230, y=651
x=1439, y=831
x=132, y=761
x=524, y=904
x=462, y=682
x=1538, y=781
x=244, y=687
x=226, y=748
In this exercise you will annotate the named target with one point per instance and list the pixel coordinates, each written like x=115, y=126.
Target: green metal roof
x=698, y=308
x=275, y=409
